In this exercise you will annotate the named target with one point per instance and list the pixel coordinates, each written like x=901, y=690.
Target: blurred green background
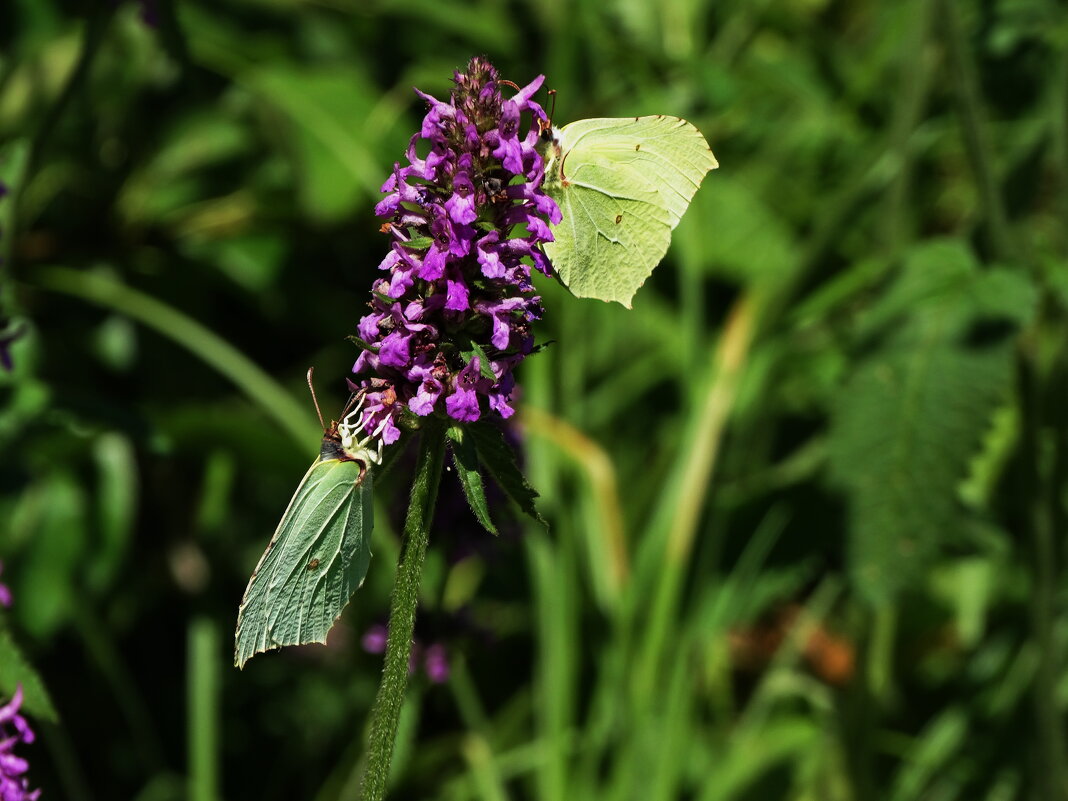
x=807, y=500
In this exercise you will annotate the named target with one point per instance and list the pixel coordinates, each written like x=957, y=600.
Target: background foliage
x=807, y=500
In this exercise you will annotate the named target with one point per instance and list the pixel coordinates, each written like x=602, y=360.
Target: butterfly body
x=622, y=186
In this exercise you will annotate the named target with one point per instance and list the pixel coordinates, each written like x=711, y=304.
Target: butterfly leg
x=349, y=430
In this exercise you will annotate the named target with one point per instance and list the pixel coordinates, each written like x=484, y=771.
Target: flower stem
x=390, y=697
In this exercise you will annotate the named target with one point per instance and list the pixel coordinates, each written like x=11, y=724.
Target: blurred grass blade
x=553, y=577
x=260, y=388
x=605, y=536
x=202, y=716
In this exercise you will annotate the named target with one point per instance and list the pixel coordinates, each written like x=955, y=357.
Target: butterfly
x=319, y=554
x=622, y=186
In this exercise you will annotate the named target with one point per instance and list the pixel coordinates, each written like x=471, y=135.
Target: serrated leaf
x=901, y=438
x=499, y=459
x=940, y=286
x=16, y=670
x=465, y=457
x=913, y=414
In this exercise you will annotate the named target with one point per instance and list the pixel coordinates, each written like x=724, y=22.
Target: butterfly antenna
x=315, y=400
x=545, y=127
x=357, y=399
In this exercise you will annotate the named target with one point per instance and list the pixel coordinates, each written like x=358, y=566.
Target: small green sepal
x=418, y=243
x=363, y=344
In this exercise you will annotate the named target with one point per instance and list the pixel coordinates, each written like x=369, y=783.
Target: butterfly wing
x=622, y=186
x=316, y=560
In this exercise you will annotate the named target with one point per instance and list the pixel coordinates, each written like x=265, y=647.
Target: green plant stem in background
x=96, y=28
x=202, y=716
x=1043, y=474
x=681, y=511
x=263, y=390
x=976, y=132
x=405, y=598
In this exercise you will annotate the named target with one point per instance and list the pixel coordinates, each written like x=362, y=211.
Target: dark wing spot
x=637, y=148
x=619, y=219
x=314, y=563
x=635, y=119
x=660, y=116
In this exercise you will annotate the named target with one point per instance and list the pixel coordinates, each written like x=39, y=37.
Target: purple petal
x=11, y=708
x=433, y=266
x=463, y=405
x=395, y=350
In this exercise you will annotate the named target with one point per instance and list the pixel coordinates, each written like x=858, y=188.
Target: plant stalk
x=390, y=698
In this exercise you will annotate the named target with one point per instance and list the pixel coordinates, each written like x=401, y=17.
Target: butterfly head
x=343, y=440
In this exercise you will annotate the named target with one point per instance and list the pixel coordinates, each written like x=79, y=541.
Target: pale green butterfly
x=319, y=553
x=622, y=186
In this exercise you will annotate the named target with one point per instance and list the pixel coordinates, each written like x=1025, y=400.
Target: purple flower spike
x=14, y=786
x=458, y=267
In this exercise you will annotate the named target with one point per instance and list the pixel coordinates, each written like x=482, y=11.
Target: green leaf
x=16, y=670
x=175, y=175
x=940, y=289
x=52, y=518
x=469, y=349
x=363, y=344
x=913, y=414
x=418, y=243
x=499, y=459
x=465, y=457
x=116, y=495
x=334, y=129
x=315, y=561
x=751, y=241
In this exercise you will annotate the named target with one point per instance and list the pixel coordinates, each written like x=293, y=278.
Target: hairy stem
x=390, y=697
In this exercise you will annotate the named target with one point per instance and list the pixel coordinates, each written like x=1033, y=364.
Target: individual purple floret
x=451, y=319
x=14, y=786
